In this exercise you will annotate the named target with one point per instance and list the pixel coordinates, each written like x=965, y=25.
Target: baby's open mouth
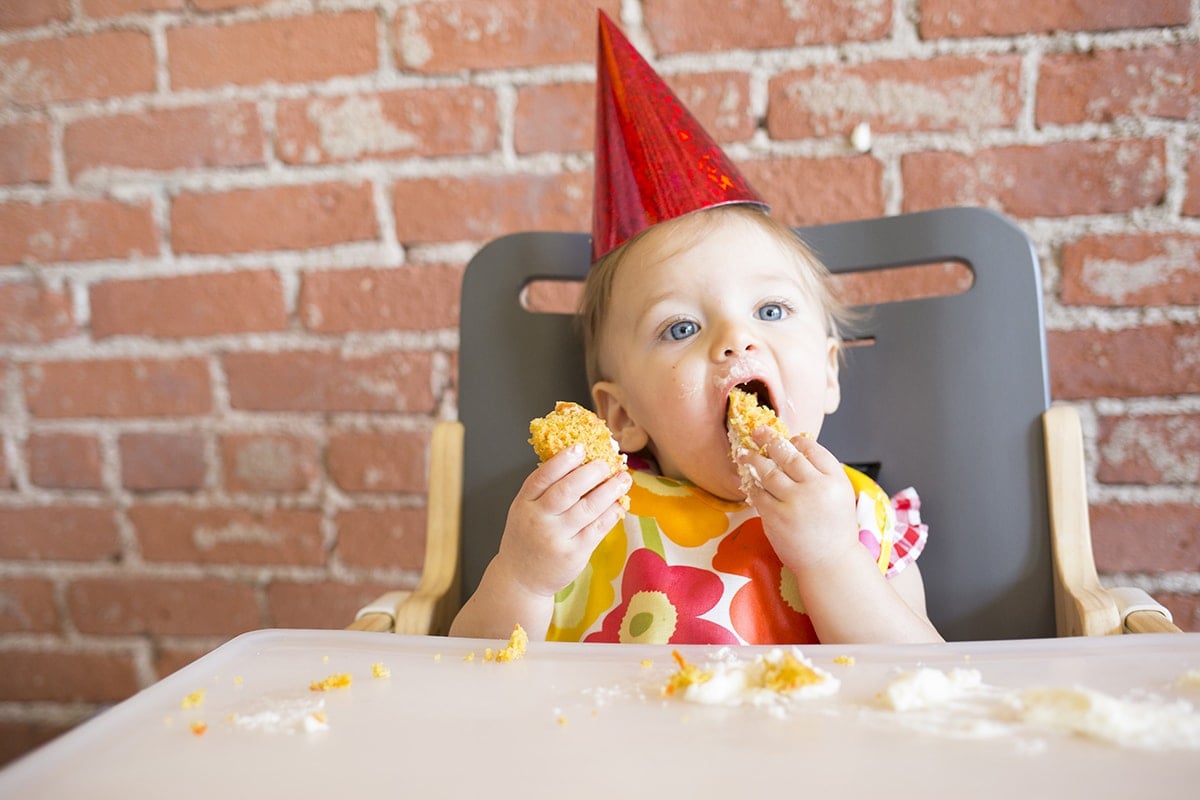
x=760, y=392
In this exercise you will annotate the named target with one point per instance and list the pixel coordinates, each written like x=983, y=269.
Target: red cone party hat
x=653, y=160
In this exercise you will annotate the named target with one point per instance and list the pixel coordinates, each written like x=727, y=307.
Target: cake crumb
x=378, y=670
x=193, y=699
x=847, y=660
x=337, y=681
x=647, y=663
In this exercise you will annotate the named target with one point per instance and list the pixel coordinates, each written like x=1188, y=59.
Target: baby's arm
x=807, y=507
x=563, y=510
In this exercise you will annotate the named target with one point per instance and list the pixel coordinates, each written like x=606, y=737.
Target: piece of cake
x=571, y=423
x=745, y=415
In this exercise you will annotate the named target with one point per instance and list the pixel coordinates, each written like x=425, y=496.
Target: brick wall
x=232, y=233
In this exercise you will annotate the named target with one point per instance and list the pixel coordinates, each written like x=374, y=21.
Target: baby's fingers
x=596, y=513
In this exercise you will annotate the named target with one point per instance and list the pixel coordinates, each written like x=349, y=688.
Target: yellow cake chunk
x=571, y=423
x=745, y=415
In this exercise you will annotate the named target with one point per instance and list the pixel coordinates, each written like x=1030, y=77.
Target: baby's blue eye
x=770, y=312
x=682, y=329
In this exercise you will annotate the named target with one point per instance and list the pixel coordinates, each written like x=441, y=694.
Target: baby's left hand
x=805, y=499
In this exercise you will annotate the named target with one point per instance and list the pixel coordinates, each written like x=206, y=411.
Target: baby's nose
x=735, y=340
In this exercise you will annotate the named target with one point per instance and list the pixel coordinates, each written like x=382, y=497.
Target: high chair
x=947, y=393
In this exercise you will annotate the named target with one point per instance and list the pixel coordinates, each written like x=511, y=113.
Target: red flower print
x=767, y=610
x=661, y=604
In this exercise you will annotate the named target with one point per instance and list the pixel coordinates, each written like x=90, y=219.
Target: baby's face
x=684, y=330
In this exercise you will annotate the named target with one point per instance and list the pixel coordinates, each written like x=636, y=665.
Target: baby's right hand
x=563, y=510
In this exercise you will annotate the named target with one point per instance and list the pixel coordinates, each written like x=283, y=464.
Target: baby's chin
x=723, y=484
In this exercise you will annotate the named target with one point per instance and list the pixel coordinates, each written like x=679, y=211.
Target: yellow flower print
x=674, y=506
x=578, y=605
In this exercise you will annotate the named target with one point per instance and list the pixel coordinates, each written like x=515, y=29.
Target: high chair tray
x=591, y=721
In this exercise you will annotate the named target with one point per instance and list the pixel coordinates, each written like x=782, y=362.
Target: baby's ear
x=833, y=386
x=610, y=406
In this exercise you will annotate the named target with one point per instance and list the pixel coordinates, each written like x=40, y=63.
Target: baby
x=676, y=316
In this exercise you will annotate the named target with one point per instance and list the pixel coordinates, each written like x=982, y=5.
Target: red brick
x=64, y=461
x=455, y=35
x=113, y=8
x=228, y=536
x=224, y=135
x=1103, y=85
x=370, y=538
x=6, y=478
x=95, y=66
x=152, y=461
x=421, y=298
x=555, y=118
x=1184, y=608
x=810, y=191
x=950, y=18
x=410, y=122
x=688, y=25
x=58, y=533
x=27, y=606
x=75, y=230
x=1132, y=270
x=254, y=462
x=378, y=461
x=118, y=388
x=25, y=152
x=164, y=607
x=1146, y=538
x=67, y=675
x=1054, y=180
x=483, y=207
x=34, y=313
x=1136, y=362
x=172, y=658
x=18, y=737
x=274, y=218
x=1150, y=449
x=1191, y=202
x=289, y=50
x=945, y=93
x=315, y=381
x=28, y=13
x=220, y=5
x=190, y=305
x=323, y=605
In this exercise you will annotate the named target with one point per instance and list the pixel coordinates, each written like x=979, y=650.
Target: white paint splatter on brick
x=265, y=462
x=357, y=126
x=973, y=102
x=415, y=50
x=1164, y=448
x=234, y=533
x=1117, y=279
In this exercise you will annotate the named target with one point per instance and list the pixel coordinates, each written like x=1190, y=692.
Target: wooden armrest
x=1082, y=606
x=430, y=608
x=436, y=600
x=1141, y=613
x=1149, y=622
x=380, y=614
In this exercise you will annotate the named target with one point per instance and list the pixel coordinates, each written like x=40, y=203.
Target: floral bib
x=685, y=567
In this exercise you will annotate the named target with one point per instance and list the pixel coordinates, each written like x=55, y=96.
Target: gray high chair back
x=945, y=393
x=948, y=398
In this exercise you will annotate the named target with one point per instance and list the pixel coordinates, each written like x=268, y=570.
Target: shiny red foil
x=654, y=161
